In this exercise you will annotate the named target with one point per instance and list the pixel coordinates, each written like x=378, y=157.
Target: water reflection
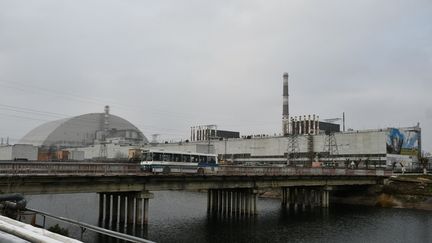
x=182, y=217
x=130, y=229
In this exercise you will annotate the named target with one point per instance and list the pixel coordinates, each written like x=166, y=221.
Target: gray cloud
x=429, y=113
x=168, y=65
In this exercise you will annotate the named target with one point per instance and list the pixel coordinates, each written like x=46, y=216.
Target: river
x=177, y=216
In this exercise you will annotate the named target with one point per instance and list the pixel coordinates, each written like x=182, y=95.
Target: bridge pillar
x=101, y=207
x=238, y=203
x=242, y=203
x=107, y=208
x=295, y=198
x=130, y=209
x=114, y=214
x=122, y=214
x=139, y=211
x=307, y=192
x=252, y=205
x=312, y=198
x=290, y=197
x=317, y=198
x=325, y=198
x=304, y=197
x=231, y=202
x=224, y=202
x=248, y=203
x=229, y=206
x=141, y=207
x=112, y=208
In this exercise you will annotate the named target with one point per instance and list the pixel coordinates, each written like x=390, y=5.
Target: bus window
x=167, y=157
x=176, y=157
x=194, y=158
x=211, y=160
x=157, y=157
x=202, y=159
x=186, y=158
x=146, y=156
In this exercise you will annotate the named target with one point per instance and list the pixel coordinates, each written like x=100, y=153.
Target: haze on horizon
x=168, y=65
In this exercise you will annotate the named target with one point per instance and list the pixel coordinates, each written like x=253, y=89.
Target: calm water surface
x=176, y=216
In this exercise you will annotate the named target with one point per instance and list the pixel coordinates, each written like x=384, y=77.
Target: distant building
x=380, y=147
x=84, y=130
x=210, y=132
x=21, y=152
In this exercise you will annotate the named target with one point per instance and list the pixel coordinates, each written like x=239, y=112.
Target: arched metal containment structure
x=84, y=130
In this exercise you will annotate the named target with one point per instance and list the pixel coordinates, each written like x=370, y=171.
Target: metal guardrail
x=93, y=228
x=61, y=168
x=112, y=169
x=299, y=171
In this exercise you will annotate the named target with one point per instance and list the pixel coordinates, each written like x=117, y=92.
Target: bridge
x=125, y=191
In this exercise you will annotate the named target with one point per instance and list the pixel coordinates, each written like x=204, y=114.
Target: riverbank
x=403, y=191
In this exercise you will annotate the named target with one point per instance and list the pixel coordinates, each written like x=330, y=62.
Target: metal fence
x=95, y=169
x=76, y=168
x=300, y=171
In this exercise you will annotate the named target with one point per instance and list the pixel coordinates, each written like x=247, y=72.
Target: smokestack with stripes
x=285, y=110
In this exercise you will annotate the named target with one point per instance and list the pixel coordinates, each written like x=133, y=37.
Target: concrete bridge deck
x=232, y=190
x=60, y=177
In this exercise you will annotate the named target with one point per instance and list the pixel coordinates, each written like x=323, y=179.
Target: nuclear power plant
x=303, y=140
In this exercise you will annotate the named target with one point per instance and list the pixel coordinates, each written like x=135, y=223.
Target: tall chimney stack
x=106, y=121
x=285, y=111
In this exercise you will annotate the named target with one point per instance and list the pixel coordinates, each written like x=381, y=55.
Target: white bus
x=179, y=162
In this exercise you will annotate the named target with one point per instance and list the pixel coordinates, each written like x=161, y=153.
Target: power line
x=77, y=120
x=102, y=101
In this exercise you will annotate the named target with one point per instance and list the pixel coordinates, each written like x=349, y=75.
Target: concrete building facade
x=19, y=152
x=368, y=146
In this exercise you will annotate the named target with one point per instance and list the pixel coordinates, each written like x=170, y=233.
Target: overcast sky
x=168, y=65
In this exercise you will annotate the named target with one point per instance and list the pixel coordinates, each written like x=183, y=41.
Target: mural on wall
x=403, y=141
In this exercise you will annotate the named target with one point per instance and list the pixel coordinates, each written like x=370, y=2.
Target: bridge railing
x=85, y=168
x=275, y=171
x=57, y=168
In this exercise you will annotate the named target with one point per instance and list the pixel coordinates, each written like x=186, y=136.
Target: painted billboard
x=403, y=141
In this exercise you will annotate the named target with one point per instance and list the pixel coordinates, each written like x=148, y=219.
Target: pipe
x=18, y=200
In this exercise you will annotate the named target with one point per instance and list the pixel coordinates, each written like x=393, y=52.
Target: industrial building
x=304, y=140
x=207, y=132
x=48, y=141
x=375, y=147
x=85, y=130
x=19, y=152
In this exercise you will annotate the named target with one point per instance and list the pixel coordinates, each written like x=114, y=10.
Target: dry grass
x=386, y=201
